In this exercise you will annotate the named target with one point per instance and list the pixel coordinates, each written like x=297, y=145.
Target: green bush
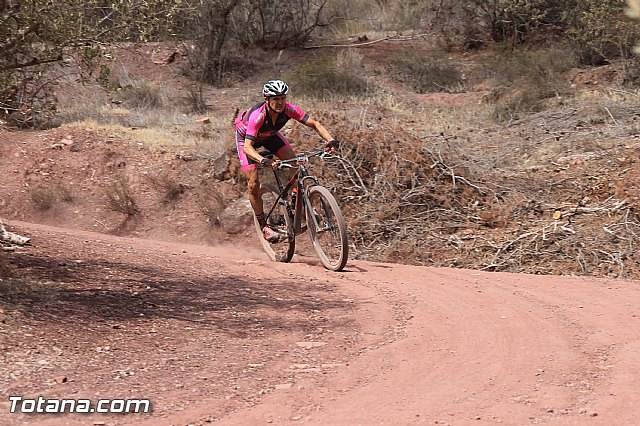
x=596, y=29
x=598, y=33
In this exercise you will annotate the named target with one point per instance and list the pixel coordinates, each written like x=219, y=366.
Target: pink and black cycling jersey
x=256, y=125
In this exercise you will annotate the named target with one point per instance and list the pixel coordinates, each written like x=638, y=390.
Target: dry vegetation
x=518, y=156
x=454, y=200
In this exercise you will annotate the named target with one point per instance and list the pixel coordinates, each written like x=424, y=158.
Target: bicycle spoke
x=329, y=230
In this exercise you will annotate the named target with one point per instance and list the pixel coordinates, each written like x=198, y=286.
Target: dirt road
x=221, y=335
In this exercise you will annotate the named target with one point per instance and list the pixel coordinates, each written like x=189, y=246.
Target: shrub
x=471, y=24
x=144, y=95
x=211, y=203
x=121, y=198
x=65, y=193
x=330, y=77
x=594, y=27
x=195, y=100
x=27, y=99
x=43, y=198
x=276, y=25
x=168, y=186
x=426, y=74
x=598, y=33
x=526, y=79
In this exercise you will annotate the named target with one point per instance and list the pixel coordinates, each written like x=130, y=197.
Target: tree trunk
x=218, y=28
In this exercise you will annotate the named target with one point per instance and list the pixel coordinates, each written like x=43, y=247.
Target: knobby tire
x=330, y=238
x=280, y=251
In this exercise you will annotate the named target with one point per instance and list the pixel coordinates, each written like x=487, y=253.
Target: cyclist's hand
x=268, y=162
x=332, y=145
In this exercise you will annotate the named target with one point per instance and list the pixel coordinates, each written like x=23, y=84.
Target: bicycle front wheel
x=279, y=220
x=327, y=228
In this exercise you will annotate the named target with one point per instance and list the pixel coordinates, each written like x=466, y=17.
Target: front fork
x=305, y=205
x=298, y=209
x=302, y=202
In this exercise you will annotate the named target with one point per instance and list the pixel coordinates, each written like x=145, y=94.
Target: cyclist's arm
x=319, y=128
x=251, y=152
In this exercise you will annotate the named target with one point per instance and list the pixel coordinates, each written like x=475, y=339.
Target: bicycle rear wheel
x=327, y=228
x=279, y=220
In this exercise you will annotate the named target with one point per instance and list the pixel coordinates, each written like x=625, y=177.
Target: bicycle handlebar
x=302, y=158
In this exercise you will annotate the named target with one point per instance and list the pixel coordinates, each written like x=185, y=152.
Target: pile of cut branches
x=433, y=201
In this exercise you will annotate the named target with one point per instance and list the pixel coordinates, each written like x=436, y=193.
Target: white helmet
x=275, y=88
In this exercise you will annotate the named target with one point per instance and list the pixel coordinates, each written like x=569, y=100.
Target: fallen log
x=10, y=237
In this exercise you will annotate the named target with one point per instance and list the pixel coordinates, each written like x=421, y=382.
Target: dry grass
x=374, y=17
x=331, y=77
x=43, y=198
x=211, y=204
x=168, y=185
x=523, y=81
x=162, y=135
x=427, y=72
x=145, y=95
x=195, y=101
x=121, y=197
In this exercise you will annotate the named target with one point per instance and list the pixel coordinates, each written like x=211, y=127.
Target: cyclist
x=259, y=127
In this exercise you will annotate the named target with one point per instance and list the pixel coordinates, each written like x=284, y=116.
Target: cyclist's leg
x=253, y=185
x=281, y=148
x=255, y=198
x=279, y=145
x=284, y=150
x=250, y=169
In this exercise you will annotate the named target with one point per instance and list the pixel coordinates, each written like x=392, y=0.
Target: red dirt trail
x=221, y=335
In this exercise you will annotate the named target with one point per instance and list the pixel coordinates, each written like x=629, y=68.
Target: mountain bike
x=303, y=198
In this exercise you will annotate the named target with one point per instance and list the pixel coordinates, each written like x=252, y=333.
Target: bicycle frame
x=299, y=179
